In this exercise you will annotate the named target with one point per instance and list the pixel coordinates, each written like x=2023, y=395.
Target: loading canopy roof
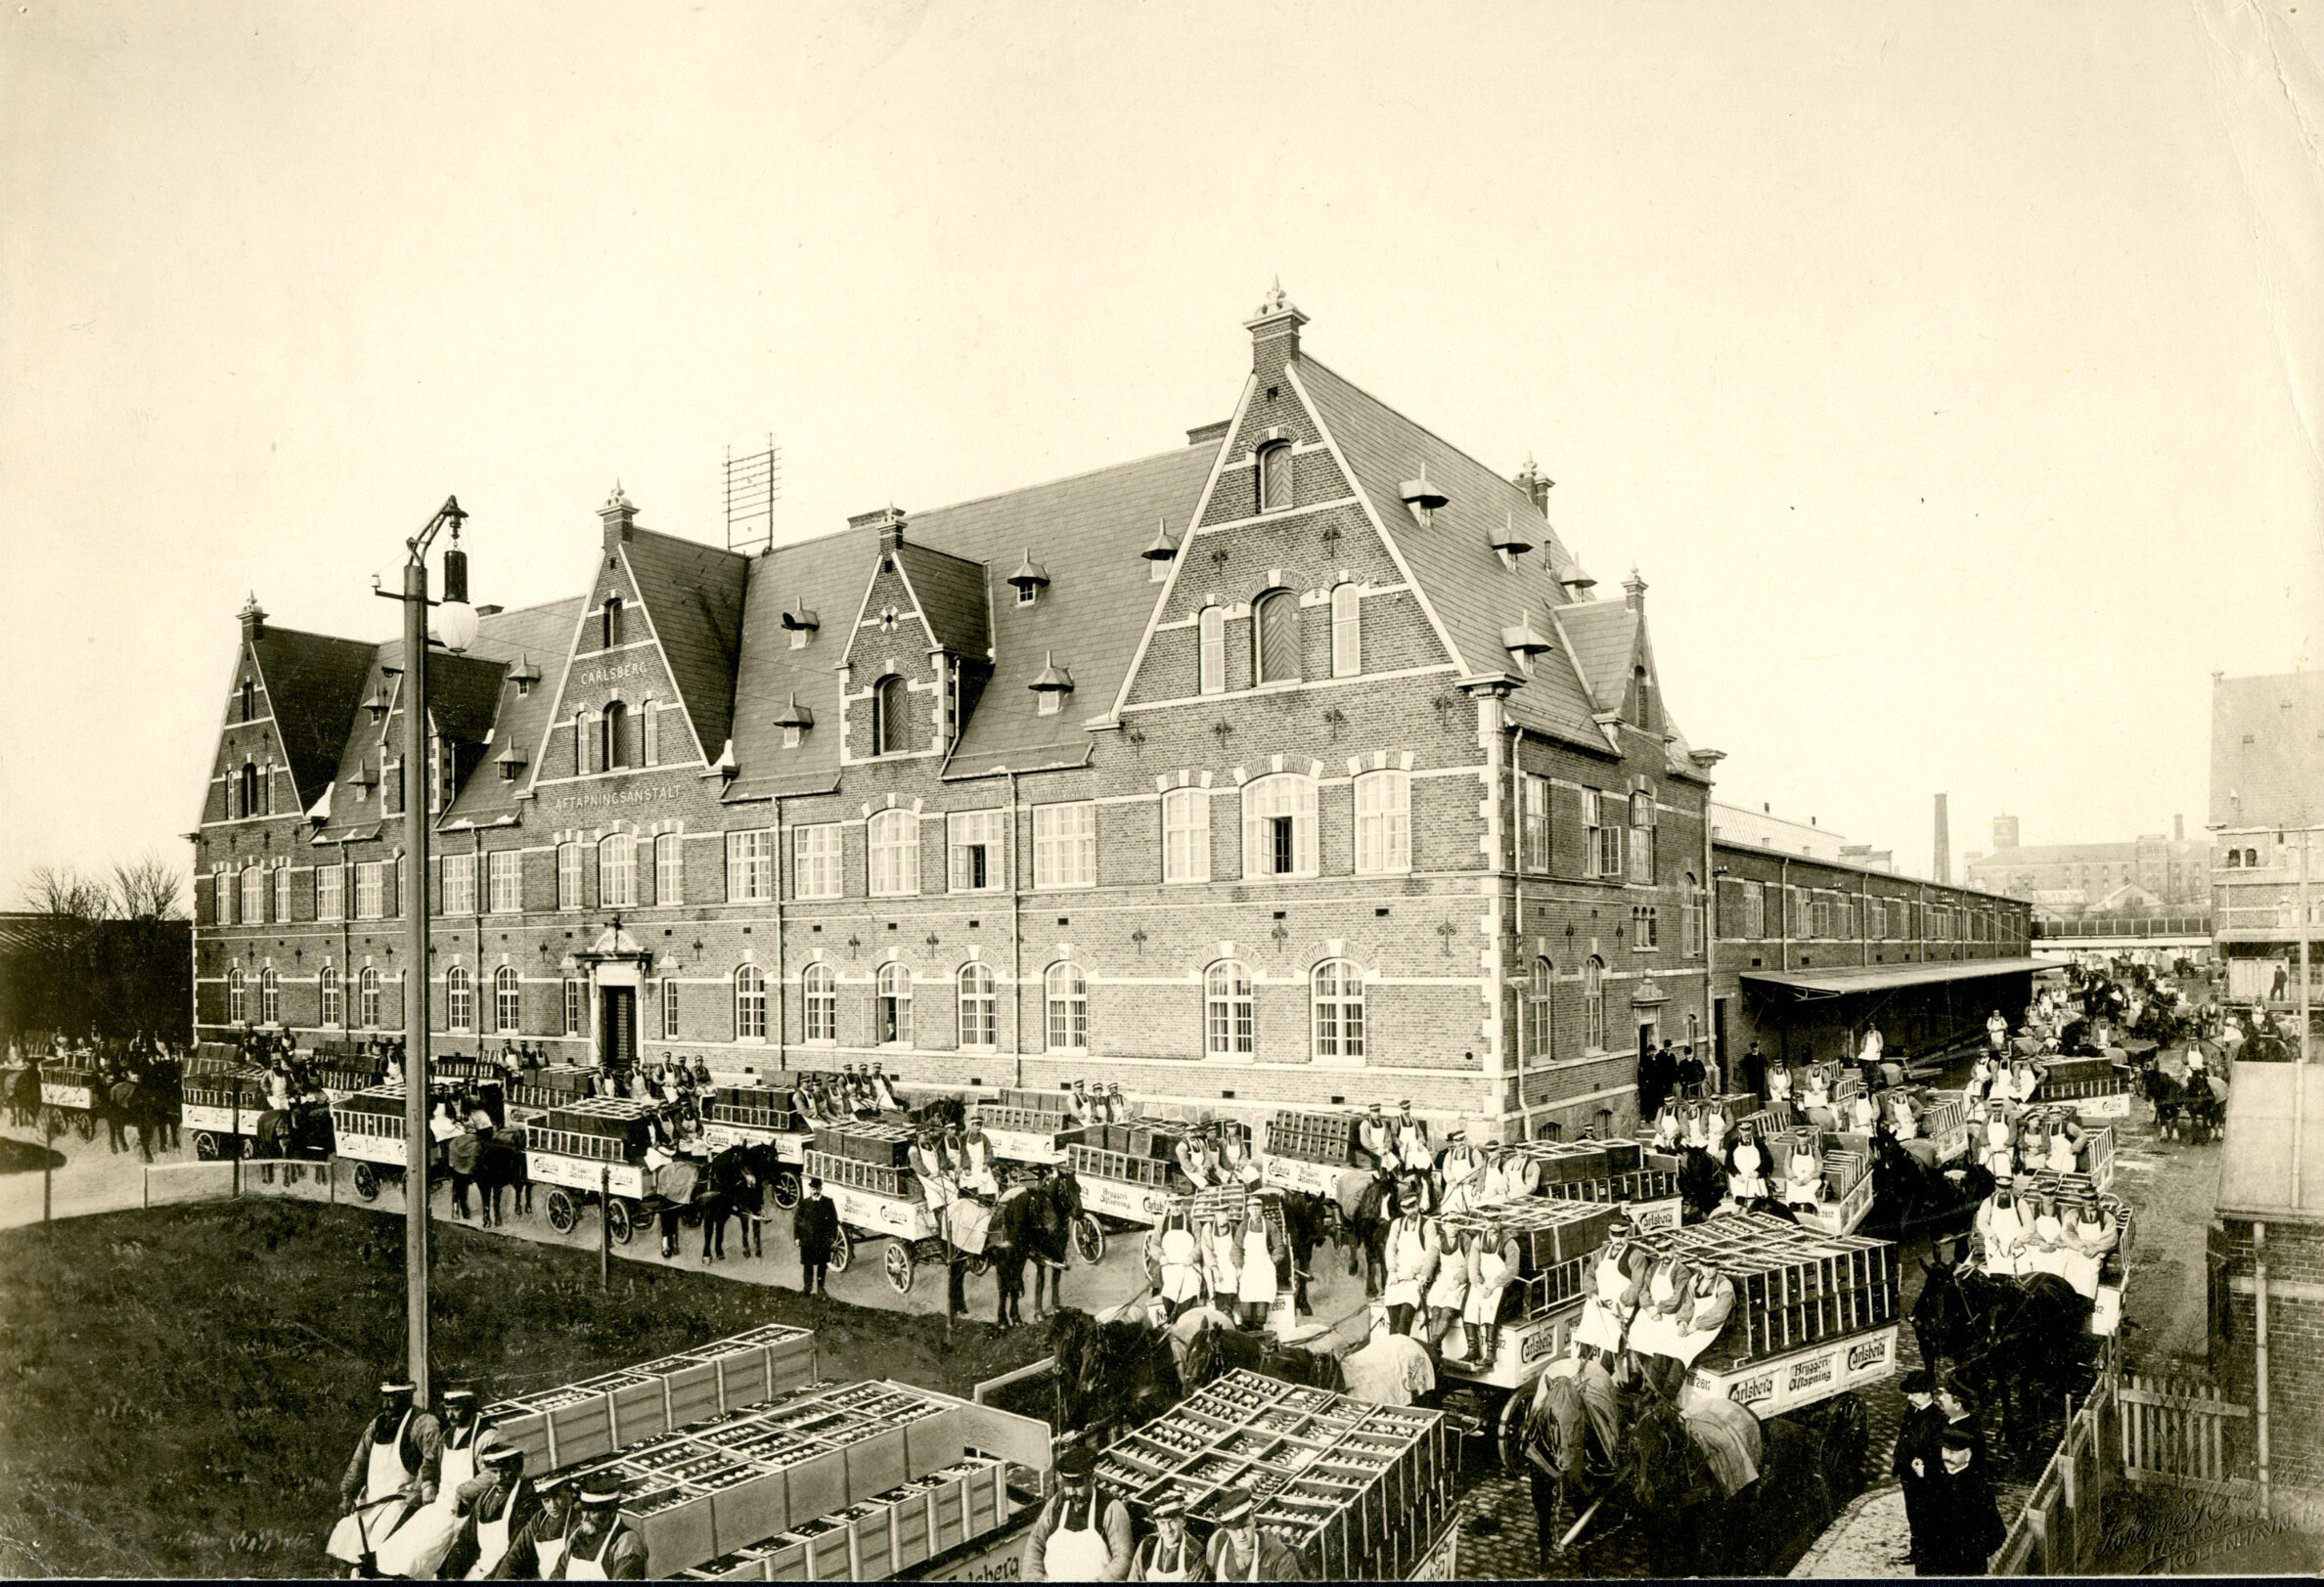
x=1885, y=977
x=2256, y=1176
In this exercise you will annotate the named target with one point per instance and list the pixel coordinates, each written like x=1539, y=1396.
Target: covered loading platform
x=1924, y=1011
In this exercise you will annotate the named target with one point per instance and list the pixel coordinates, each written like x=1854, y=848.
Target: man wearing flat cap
x=1240, y=1551
x=494, y=1508
x=1080, y=1534
x=588, y=1543
x=419, y=1544
x=1169, y=1554
x=392, y=1474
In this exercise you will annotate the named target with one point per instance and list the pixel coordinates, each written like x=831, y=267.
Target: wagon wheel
x=85, y=1126
x=1089, y=1238
x=367, y=1181
x=205, y=1146
x=1846, y=1432
x=785, y=1188
x=1509, y=1435
x=620, y=1221
x=842, y=1250
x=562, y=1214
x=896, y=1263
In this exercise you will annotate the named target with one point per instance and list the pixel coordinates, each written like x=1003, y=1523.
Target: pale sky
x=1951, y=373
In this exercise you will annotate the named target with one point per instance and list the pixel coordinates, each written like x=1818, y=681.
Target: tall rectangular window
x=574, y=1022
x=460, y=884
x=371, y=890
x=1755, y=909
x=652, y=734
x=617, y=871
x=669, y=1010
x=331, y=892
x=1693, y=923
x=817, y=851
x=282, y=892
x=1534, y=821
x=1642, y=837
x=504, y=881
x=1186, y=835
x=1065, y=845
x=568, y=876
x=1605, y=833
x=750, y=866
x=1645, y=935
x=1211, y=627
x=669, y=868
x=893, y=837
x=1280, y=826
x=979, y=861
x=1383, y=822
x=1347, y=632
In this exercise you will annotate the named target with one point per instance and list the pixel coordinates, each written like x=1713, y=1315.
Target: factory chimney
x=1940, y=859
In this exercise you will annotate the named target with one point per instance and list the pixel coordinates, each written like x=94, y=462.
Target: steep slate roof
x=313, y=684
x=693, y=596
x=1475, y=595
x=1604, y=638
x=463, y=694
x=952, y=599
x=540, y=635
x=1087, y=529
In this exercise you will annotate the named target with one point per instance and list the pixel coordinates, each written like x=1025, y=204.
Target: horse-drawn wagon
x=71, y=1091
x=1027, y=1125
x=592, y=1148
x=757, y=1117
x=367, y=1129
x=227, y=1114
x=866, y=1172
x=1555, y=1239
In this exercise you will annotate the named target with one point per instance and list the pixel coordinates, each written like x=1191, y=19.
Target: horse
x=1122, y=1371
x=1308, y=1220
x=1910, y=1197
x=1215, y=1352
x=939, y=1109
x=746, y=1174
x=500, y=1167
x=1702, y=1183
x=2017, y=1340
x=1037, y=1223
x=1367, y=1232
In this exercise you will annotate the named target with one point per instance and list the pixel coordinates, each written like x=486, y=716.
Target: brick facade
x=1501, y=987
x=2295, y=1332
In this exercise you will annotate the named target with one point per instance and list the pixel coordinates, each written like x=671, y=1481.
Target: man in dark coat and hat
x=1965, y=1525
x=815, y=1228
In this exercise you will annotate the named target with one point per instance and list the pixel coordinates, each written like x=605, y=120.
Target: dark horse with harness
x=2019, y=1340
x=1036, y=1224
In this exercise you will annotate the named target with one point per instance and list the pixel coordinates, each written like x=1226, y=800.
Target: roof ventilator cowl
x=1030, y=575
x=1422, y=497
x=1162, y=548
x=795, y=715
x=800, y=618
x=1524, y=641
x=1512, y=542
x=1053, y=679
x=511, y=761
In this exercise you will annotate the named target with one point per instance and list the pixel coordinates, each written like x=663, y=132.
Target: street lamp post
x=457, y=628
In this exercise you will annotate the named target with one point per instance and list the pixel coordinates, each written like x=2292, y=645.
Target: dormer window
x=610, y=624
x=1274, y=477
x=1423, y=497
x=794, y=722
x=1029, y=579
x=524, y=675
x=801, y=624
x=1160, y=553
x=1051, y=688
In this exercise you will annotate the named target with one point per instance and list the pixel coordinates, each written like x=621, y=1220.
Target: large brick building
x=1299, y=764
x=2267, y=762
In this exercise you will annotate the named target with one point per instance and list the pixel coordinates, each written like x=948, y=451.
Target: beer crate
x=1316, y=1137
x=1153, y=1174
x=885, y=1146
x=858, y=1174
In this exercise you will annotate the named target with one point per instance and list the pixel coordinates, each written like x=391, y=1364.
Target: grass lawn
x=180, y=1390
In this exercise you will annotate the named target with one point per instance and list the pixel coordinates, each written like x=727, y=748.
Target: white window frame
x=1539, y=1037
x=1605, y=836
x=751, y=865
x=366, y=989
x=1383, y=822
x=507, y=1000
x=1065, y=999
x=1755, y=910
x=1534, y=821
x=1064, y=846
x=1593, y=1004
x=504, y=881
x=281, y=892
x=1266, y=800
x=670, y=867
x=891, y=1005
x=817, y=855
x=819, y=997
x=617, y=871
x=331, y=992
x=750, y=1004
x=568, y=875
x=331, y=892
x=1335, y=996
x=669, y=1008
x=893, y=839
x=238, y=997
x=460, y=1000
x=576, y=1006
x=965, y=832
x=371, y=890
x=1186, y=835
x=1229, y=1011
x=1347, y=631
x=270, y=996
x=651, y=731
x=1211, y=661
x=460, y=884
x=253, y=896
x=979, y=1020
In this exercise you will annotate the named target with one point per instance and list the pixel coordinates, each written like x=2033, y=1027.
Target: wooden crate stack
x=858, y=1174
x=1792, y=1286
x=1556, y=1242
x=1358, y=1489
x=1152, y=1172
x=600, y=1129
x=754, y=1107
x=378, y=1110
x=1314, y=1138
x=551, y=1086
x=886, y=1146
x=557, y=1428
x=245, y=1089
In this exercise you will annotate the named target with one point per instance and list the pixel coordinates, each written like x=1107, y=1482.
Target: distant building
x=2174, y=870
x=2267, y=755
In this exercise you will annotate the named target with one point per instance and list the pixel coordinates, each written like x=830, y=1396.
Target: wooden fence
x=2187, y=1436
x=2058, y=1532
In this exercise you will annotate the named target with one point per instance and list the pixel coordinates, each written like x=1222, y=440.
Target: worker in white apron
x=1981, y=1080
x=2045, y=1244
x=1718, y=1124
x=2001, y=1228
x=2062, y=1156
x=419, y=1544
x=383, y=1482
x=1747, y=1166
x=1222, y=1264
x=1410, y=1265
x=1997, y=1029
x=1170, y=1553
x=1606, y=1314
x=1489, y=1269
x=1670, y=1126
x=939, y=1179
x=1903, y=1121
x=1375, y=1139
x=1196, y=1160
x=1182, y=1265
x=1523, y=1172
x=1818, y=1092
x=1072, y=1540
x=1411, y=1141
x=1651, y=1330
x=1492, y=1186
x=1999, y=1154
x=1254, y=1281
x=1863, y=1113
x=1236, y=1163
x=975, y=1162
x=1779, y=1084
x=1703, y=1315
x=1448, y=1288
x=498, y=1506
x=596, y=1546
x=1803, y=1177
x=2090, y=1237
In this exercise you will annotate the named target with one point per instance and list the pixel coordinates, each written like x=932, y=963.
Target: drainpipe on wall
x=1783, y=916
x=2259, y=1358
x=782, y=961
x=1715, y=1030
x=1016, y=939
